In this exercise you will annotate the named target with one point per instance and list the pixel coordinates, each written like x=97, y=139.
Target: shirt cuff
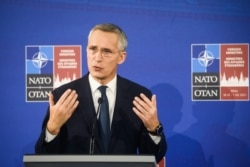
x=48, y=136
x=156, y=139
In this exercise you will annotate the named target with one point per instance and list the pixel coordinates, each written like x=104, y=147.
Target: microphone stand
x=92, y=138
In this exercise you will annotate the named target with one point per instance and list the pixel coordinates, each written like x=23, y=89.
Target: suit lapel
x=122, y=99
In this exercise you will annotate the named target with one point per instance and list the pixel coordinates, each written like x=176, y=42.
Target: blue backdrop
x=160, y=35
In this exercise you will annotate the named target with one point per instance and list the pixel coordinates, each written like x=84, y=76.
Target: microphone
x=92, y=138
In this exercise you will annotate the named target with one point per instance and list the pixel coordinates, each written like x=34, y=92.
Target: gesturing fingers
x=142, y=107
x=145, y=99
x=146, y=110
x=139, y=105
x=66, y=104
x=142, y=103
x=71, y=101
x=61, y=111
x=65, y=97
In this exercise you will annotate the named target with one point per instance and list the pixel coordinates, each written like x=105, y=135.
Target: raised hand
x=62, y=110
x=146, y=110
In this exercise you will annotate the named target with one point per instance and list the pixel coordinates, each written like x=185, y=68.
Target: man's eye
x=107, y=51
x=92, y=48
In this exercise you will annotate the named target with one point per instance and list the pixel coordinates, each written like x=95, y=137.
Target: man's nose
x=98, y=55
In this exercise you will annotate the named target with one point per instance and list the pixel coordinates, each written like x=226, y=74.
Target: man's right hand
x=62, y=110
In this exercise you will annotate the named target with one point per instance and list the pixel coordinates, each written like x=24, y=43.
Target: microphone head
x=99, y=100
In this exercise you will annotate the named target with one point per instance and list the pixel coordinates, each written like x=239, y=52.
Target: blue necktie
x=104, y=122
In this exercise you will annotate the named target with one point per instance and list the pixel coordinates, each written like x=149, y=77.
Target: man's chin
x=97, y=75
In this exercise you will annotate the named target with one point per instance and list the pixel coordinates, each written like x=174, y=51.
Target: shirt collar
x=94, y=85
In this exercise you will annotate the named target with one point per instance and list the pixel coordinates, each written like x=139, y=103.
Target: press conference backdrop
x=164, y=42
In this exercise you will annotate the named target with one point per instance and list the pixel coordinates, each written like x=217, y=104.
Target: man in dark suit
x=134, y=126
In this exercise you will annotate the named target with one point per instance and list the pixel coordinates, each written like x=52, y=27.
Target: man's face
x=104, y=56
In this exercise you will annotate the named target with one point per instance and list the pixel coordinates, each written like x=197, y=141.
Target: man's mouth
x=96, y=68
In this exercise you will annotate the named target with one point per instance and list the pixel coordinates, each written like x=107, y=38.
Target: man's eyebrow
x=92, y=46
x=102, y=48
x=106, y=49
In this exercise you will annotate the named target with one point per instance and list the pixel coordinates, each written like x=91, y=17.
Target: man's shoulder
x=128, y=81
x=129, y=84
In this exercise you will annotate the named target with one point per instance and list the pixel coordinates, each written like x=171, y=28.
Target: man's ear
x=122, y=57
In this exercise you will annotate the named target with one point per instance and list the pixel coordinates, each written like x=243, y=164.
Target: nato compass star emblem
x=206, y=58
x=39, y=60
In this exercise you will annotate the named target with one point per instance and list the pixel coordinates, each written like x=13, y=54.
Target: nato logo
x=205, y=71
x=39, y=72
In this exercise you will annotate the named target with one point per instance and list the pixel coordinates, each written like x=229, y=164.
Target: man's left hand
x=146, y=110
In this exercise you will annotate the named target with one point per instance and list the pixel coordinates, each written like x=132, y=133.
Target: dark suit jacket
x=128, y=134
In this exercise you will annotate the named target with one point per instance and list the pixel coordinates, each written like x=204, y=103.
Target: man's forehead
x=103, y=39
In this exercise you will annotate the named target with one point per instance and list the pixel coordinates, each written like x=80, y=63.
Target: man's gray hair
x=108, y=27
